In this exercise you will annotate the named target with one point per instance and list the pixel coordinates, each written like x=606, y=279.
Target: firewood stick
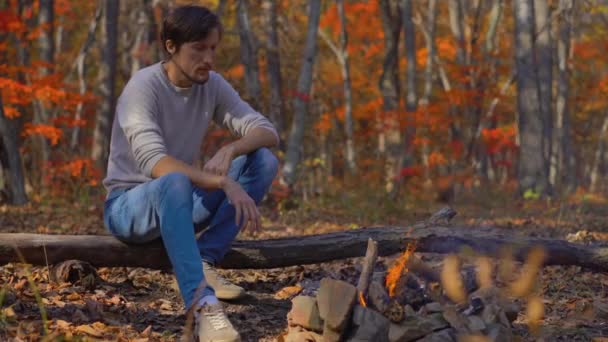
x=368, y=266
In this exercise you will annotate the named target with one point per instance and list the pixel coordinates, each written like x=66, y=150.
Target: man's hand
x=247, y=214
x=220, y=162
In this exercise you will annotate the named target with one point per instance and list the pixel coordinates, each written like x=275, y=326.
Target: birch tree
x=543, y=47
x=389, y=142
x=296, y=134
x=532, y=171
x=561, y=171
x=103, y=122
x=249, y=55
x=274, y=64
x=341, y=54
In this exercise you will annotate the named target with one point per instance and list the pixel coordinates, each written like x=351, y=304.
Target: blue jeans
x=173, y=209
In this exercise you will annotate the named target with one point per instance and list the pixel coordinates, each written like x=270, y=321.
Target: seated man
x=154, y=191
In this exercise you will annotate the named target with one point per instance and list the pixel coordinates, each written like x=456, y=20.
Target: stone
x=304, y=312
x=416, y=327
x=297, y=334
x=475, y=324
x=377, y=296
x=490, y=314
x=499, y=333
x=368, y=325
x=512, y=310
x=331, y=335
x=445, y=335
x=600, y=309
x=456, y=320
x=335, y=300
x=433, y=307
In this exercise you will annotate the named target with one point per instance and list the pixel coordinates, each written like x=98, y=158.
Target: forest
x=457, y=145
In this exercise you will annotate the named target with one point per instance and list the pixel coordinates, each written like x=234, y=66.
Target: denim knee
x=175, y=185
x=266, y=162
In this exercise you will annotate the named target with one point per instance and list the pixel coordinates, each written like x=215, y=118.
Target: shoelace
x=217, y=319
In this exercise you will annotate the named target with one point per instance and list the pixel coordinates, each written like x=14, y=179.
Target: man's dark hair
x=188, y=23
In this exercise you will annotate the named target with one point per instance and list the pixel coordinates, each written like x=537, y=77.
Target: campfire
x=411, y=301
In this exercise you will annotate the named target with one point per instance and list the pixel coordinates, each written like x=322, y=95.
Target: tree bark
x=543, y=46
x=274, y=65
x=10, y=145
x=103, y=124
x=301, y=99
x=532, y=171
x=560, y=172
x=100, y=251
x=405, y=155
x=47, y=52
x=428, y=76
x=389, y=136
x=348, y=92
x=456, y=13
x=249, y=56
x=80, y=66
x=599, y=154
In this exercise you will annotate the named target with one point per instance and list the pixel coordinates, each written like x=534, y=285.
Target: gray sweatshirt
x=155, y=118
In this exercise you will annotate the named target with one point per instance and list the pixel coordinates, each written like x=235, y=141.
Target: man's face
x=196, y=58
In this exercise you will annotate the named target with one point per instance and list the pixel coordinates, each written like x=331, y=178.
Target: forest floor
x=137, y=304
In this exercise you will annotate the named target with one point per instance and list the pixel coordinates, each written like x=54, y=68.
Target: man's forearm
x=257, y=138
x=204, y=180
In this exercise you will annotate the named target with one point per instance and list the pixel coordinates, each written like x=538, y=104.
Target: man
x=154, y=191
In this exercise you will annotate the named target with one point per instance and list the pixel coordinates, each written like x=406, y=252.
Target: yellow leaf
x=89, y=330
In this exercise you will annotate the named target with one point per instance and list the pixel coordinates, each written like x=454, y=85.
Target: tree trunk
x=532, y=172
x=101, y=251
x=103, y=123
x=221, y=7
x=10, y=144
x=405, y=155
x=428, y=77
x=47, y=52
x=430, y=45
x=456, y=25
x=81, y=68
x=389, y=139
x=274, y=65
x=561, y=173
x=543, y=46
x=296, y=135
x=348, y=92
x=249, y=56
x=599, y=154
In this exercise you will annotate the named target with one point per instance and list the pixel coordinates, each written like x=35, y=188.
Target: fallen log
x=42, y=249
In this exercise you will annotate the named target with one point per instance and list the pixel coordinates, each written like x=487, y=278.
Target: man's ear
x=170, y=46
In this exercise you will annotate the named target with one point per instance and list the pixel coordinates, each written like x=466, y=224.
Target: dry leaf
x=73, y=296
x=288, y=292
x=89, y=330
x=484, y=272
x=62, y=324
x=147, y=331
x=451, y=279
x=8, y=312
x=535, y=313
x=524, y=285
x=473, y=338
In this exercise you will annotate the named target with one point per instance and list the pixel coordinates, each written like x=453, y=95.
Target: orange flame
x=394, y=273
x=362, y=300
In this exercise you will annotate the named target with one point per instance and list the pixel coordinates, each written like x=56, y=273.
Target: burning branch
x=398, y=268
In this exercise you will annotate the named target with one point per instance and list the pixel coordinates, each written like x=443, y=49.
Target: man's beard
x=188, y=77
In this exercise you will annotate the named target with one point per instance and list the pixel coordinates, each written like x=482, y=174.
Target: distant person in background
x=154, y=191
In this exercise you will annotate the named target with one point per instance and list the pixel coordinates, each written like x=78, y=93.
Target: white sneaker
x=212, y=325
x=222, y=287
